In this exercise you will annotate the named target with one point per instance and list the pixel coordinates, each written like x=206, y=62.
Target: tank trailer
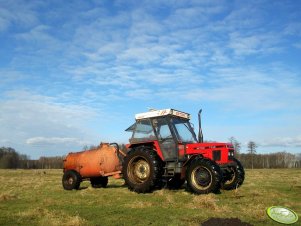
x=162, y=151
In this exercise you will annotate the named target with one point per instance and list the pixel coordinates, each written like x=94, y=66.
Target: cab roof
x=163, y=112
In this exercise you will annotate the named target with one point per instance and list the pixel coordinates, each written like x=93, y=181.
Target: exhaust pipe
x=200, y=128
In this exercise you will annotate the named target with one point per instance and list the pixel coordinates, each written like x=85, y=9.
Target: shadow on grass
x=108, y=187
x=82, y=188
x=117, y=186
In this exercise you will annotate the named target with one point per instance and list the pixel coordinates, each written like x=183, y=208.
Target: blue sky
x=74, y=73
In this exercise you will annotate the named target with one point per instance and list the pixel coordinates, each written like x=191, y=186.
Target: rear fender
x=152, y=144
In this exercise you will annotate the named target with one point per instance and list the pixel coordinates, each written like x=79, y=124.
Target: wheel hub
x=141, y=170
x=201, y=178
x=70, y=180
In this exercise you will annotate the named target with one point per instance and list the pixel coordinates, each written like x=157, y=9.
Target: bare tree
x=252, y=150
x=236, y=145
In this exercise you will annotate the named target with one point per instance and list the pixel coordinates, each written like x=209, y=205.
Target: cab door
x=166, y=139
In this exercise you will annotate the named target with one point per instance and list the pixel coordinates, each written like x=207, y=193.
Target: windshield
x=184, y=130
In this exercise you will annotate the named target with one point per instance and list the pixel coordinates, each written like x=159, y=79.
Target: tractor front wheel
x=142, y=169
x=236, y=178
x=203, y=176
x=71, y=180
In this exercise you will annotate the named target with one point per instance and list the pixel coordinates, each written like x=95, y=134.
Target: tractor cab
x=167, y=129
x=174, y=138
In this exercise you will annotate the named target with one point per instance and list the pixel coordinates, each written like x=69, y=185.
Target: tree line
x=11, y=159
x=270, y=161
x=253, y=160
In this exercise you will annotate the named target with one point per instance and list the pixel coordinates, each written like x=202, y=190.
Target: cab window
x=143, y=130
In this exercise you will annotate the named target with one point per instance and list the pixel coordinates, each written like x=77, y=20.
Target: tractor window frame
x=142, y=131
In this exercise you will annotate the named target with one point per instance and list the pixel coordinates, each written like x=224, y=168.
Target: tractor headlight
x=230, y=154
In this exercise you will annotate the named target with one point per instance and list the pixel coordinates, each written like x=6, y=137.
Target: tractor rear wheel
x=142, y=169
x=71, y=180
x=203, y=176
x=237, y=176
x=99, y=182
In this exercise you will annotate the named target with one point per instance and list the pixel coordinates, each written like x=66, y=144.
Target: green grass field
x=36, y=197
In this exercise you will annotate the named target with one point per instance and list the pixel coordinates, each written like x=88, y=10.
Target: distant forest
x=11, y=159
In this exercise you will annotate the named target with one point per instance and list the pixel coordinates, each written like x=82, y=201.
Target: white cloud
x=140, y=55
x=293, y=28
x=24, y=115
x=256, y=43
x=143, y=23
x=140, y=93
x=55, y=141
x=17, y=13
x=36, y=34
x=193, y=16
x=282, y=142
x=4, y=21
x=9, y=76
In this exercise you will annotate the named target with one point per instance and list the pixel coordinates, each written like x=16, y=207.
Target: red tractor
x=164, y=149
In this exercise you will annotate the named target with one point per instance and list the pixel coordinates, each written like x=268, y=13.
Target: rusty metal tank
x=101, y=161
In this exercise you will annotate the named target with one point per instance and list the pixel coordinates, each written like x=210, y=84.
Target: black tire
x=175, y=182
x=71, y=180
x=237, y=177
x=99, y=182
x=203, y=176
x=142, y=170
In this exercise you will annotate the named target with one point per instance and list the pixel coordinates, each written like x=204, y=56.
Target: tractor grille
x=216, y=155
x=231, y=155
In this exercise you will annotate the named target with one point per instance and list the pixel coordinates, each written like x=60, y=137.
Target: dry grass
x=53, y=218
x=139, y=204
x=36, y=197
x=204, y=201
x=6, y=197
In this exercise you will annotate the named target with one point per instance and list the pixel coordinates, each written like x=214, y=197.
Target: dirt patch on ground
x=225, y=222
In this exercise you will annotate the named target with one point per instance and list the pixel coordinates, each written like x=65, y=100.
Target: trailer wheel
x=99, y=182
x=203, y=176
x=142, y=169
x=71, y=180
x=175, y=182
x=237, y=177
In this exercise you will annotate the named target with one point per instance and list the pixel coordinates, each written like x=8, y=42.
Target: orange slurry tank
x=94, y=165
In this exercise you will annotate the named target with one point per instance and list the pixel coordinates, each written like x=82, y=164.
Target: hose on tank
x=118, y=151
